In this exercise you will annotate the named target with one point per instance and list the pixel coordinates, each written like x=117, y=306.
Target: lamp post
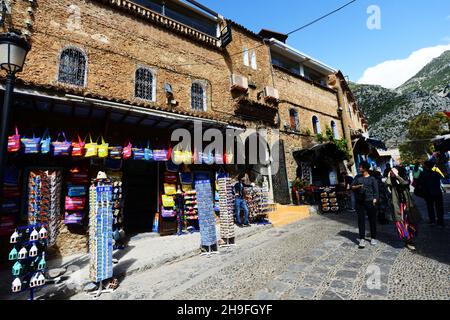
x=13, y=51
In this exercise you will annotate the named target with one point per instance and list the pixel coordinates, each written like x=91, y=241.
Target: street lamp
x=13, y=51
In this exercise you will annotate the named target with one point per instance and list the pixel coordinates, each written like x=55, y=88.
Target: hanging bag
x=78, y=148
x=148, y=153
x=161, y=155
x=76, y=191
x=168, y=201
x=91, y=148
x=115, y=152
x=168, y=213
x=61, y=148
x=102, y=149
x=138, y=153
x=170, y=189
x=128, y=151
x=31, y=145
x=186, y=178
x=75, y=203
x=14, y=142
x=170, y=177
x=46, y=142
x=73, y=218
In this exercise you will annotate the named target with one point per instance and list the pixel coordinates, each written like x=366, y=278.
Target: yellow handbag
x=178, y=156
x=170, y=189
x=91, y=148
x=103, y=149
x=168, y=201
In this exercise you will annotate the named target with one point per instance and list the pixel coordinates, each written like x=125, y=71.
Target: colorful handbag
x=61, y=148
x=170, y=189
x=170, y=177
x=91, y=148
x=138, y=154
x=14, y=142
x=76, y=191
x=115, y=152
x=75, y=203
x=102, y=149
x=168, y=213
x=46, y=143
x=168, y=201
x=161, y=155
x=73, y=218
x=78, y=149
x=31, y=145
x=128, y=151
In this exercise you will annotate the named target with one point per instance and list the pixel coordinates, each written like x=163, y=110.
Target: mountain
x=389, y=111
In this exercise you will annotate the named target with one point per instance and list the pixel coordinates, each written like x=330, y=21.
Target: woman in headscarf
x=405, y=213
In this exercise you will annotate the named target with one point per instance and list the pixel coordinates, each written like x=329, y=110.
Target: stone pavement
x=144, y=252
x=316, y=258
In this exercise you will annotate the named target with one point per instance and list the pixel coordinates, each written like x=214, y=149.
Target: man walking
x=240, y=203
x=367, y=196
x=430, y=180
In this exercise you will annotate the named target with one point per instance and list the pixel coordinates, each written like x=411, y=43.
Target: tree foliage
x=421, y=130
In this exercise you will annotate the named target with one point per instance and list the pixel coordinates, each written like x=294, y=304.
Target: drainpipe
x=335, y=83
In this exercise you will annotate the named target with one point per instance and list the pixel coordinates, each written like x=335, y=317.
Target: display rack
x=226, y=205
x=258, y=203
x=328, y=200
x=207, y=221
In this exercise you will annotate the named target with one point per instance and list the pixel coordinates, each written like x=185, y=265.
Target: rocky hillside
x=388, y=111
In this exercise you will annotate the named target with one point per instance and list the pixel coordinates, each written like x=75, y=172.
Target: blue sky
x=343, y=40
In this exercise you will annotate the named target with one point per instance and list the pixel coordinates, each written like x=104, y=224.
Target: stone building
x=137, y=68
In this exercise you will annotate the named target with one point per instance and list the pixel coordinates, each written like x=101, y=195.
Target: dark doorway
x=140, y=190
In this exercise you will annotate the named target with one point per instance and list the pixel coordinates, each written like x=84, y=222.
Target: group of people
x=375, y=195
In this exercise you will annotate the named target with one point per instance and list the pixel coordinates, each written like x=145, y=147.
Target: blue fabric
x=238, y=205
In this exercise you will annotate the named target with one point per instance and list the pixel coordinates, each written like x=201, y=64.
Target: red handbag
x=127, y=151
x=78, y=149
x=170, y=177
x=14, y=142
x=75, y=203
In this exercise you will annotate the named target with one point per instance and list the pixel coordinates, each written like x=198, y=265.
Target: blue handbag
x=138, y=154
x=46, y=142
x=31, y=145
x=76, y=191
x=148, y=153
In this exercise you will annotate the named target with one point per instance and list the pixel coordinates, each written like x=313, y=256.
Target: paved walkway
x=316, y=258
x=144, y=252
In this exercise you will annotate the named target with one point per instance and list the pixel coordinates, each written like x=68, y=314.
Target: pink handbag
x=75, y=203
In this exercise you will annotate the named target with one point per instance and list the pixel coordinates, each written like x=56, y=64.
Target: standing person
x=367, y=197
x=240, y=203
x=430, y=182
x=416, y=173
x=406, y=216
x=348, y=180
x=383, y=204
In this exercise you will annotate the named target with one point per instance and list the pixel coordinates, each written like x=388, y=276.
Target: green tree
x=421, y=130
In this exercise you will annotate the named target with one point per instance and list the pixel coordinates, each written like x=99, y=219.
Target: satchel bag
x=61, y=148
x=128, y=151
x=31, y=145
x=46, y=143
x=161, y=155
x=14, y=142
x=91, y=148
x=73, y=218
x=168, y=201
x=102, y=149
x=75, y=203
x=165, y=213
x=78, y=149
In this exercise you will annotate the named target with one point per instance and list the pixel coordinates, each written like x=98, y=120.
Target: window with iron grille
x=144, y=84
x=198, y=97
x=72, y=67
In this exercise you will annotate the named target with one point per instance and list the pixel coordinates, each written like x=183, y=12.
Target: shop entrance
x=140, y=191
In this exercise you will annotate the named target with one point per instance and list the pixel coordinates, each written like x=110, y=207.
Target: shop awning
x=86, y=107
x=328, y=152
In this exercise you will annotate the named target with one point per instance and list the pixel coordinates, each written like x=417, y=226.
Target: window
x=253, y=60
x=316, y=125
x=198, y=97
x=294, y=122
x=246, y=58
x=285, y=63
x=335, y=130
x=72, y=67
x=144, y=84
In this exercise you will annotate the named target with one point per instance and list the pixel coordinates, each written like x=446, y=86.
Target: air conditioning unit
x=239, y=83
x=271, y=94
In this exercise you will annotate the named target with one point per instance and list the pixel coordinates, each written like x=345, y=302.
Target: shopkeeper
x=240, y=202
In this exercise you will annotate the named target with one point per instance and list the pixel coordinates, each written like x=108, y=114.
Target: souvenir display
x=44, y=200
x=76, y=198
x=117, y=198
x=226, y=203
x=328, y=200
x=258, y=203
x=100, y=228
x=27, y=257
x=207, y=221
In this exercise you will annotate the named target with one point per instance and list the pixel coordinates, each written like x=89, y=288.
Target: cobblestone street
x=316, y=258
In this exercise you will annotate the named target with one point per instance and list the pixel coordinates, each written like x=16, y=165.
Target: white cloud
x=393, y=73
